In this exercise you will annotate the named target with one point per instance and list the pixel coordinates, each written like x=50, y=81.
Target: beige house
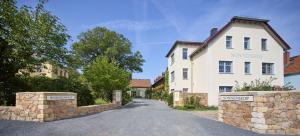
x=243, y=50
x=48, y=70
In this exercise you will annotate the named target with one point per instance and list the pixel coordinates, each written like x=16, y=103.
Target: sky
x=154, y=25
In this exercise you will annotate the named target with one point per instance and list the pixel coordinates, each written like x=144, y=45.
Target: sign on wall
x=118, y=96
x=176, y=96
x=247, y=98
x=65, y=97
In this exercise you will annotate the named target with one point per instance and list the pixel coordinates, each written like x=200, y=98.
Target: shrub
x=266, y=85
x=193, y=102
x=126, y=98
x=170, y=99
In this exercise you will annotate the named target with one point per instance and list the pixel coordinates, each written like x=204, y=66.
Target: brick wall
x=269, y=113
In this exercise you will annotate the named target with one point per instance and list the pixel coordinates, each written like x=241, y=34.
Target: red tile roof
x=293, y=66
x=140, y=83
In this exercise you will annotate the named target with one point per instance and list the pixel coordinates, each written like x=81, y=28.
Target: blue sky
x=153, y=25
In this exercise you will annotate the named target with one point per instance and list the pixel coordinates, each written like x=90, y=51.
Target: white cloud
x=132, y=25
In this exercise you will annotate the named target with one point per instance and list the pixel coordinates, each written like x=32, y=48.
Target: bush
x=170, y=99
x=266, y=85
x=193, y=102
x=126, y=98
x=44, y=84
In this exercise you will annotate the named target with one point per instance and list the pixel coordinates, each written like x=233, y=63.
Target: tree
x=28, y=38
x=103, y=42
x=105, y=76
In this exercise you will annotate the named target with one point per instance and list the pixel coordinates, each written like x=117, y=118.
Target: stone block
x=298, y=106
x=257, y=115
x=258, y=120
x=260, y=126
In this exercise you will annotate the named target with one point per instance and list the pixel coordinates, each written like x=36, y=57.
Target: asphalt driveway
x=140, y=118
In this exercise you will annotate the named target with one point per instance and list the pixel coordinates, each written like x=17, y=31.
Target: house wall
x=177, y=67
x=293, y=79
x=206, y=74
x=140, y=92
x=51, y=71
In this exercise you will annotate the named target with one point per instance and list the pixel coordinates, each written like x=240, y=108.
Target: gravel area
x=140, y=118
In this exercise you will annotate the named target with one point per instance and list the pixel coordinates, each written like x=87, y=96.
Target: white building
x=243, y=50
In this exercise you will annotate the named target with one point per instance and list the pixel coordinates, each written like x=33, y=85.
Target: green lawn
x=99, y=101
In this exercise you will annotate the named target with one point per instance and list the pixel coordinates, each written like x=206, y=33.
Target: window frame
x=225, y=66
x=185, y=89
x=172, y=58
x=247, y=47
x=264, y=46
x=172, y=76
x=267, y=67
x=184, y=53
x=228, y=40
x=185, y=70
x=247, y=63
x=225, y=89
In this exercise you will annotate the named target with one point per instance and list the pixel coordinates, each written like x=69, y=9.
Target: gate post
x=117, y=97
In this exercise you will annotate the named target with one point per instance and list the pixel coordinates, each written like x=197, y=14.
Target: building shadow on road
x=135, y=103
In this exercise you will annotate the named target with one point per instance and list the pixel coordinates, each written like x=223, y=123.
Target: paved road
x=141, y=118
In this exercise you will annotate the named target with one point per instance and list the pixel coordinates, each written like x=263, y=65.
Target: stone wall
x=179, y=98
x=268, y=113
x=50, y=106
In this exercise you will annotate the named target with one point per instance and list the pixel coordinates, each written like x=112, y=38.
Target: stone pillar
x=177, y=99
x=117, y=97
x=46, y=106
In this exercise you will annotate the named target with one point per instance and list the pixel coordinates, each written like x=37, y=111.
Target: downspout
x=192, y=65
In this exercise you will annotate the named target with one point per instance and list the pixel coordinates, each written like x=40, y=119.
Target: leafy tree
x=28, y=38
x=103, y=42
x=105, y=77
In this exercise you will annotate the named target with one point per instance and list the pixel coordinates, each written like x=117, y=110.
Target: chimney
x=286, y=58
x=213, y=31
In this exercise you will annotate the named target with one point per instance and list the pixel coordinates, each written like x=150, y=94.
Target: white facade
x=177, y=67
x=205, y=76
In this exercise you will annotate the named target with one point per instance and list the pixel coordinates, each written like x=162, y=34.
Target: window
x=267, y=68
x=225, y=66
x=172, y=58
x=228, y=42
x=185, y=89
x=225, y=89
x=247, y=67
x=246, y=43
x=263, y=44
x=185, y=73
x=184, y=53
x=172, y=76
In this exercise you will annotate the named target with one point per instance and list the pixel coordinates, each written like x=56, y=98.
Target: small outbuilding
x=139, y=87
